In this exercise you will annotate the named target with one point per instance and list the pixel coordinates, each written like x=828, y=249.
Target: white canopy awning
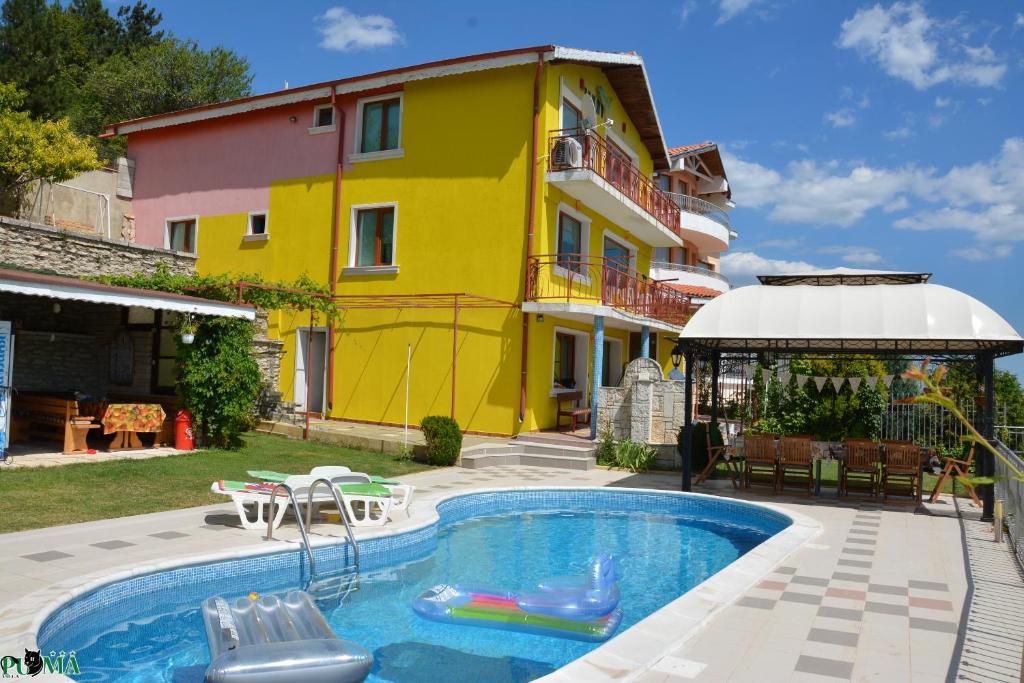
x=71, y=289
x=902, y=318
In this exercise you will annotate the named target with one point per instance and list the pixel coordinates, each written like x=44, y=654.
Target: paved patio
x=880, y=595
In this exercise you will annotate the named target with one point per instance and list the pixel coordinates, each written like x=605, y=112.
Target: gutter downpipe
x=339, y=116
x=530, y=226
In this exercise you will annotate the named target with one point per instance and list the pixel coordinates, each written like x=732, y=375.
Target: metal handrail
x=298, y=519
x=702, y=207
x=699, y=270
x=339, y=500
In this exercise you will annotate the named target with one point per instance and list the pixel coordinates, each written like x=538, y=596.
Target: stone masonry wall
x=40, y=247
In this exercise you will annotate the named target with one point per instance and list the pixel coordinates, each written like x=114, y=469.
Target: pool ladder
x=346, y=582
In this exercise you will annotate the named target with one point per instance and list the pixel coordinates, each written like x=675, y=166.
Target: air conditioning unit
x=567, y=153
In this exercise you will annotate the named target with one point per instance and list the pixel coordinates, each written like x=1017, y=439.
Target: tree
x=138, y=24
x=168, y=76
x=33, y=149
x=37, y=54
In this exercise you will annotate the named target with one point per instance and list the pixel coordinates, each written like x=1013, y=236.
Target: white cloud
x=842, y=118
x=978, y=254
x=850, y=254
x=781, y=244
x=742, y=267
x=759, y=185
x=943, y=102
x=729, y=9
x=912, y=46
x=686, y=9
x=344, y=31
x=1018, y=22
x=901, y=133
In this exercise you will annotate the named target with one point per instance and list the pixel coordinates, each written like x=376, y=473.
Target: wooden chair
x=760, y=458
x=574, y=412
x=795, y=457
x=728, y=455
x=954, y=469
x=901, y=470
x=863, y=459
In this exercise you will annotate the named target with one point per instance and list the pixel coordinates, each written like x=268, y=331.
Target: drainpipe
x=530, y=226
x=339, y=123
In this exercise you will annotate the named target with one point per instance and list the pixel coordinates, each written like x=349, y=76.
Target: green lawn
x=48, y=496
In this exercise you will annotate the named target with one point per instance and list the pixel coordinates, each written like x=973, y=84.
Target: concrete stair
x=530, y=453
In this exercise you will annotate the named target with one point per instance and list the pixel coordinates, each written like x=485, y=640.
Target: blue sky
x=856, y=134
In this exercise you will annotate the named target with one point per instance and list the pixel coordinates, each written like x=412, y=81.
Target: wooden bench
x=574, y=412
x=52, y=417
x=170, y=404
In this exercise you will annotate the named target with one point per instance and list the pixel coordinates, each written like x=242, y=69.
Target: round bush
x=444, y=439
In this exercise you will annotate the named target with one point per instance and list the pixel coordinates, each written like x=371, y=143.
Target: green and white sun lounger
x=401, y=494
x=278, y=477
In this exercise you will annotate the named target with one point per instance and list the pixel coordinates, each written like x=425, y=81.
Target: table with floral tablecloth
x=127, y=419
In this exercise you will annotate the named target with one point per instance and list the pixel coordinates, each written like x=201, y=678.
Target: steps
x=532, y=453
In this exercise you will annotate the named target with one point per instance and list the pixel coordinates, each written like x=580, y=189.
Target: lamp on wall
x=677, y=355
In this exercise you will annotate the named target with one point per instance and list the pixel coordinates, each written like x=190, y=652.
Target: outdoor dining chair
x=760, y=460
x=795, y=458
x=862, y=458
x=726, y=453
x=901, y=470
x=955, y=469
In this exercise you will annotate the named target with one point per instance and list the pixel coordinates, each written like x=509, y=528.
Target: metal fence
x=934, y=426
x=1011, y=491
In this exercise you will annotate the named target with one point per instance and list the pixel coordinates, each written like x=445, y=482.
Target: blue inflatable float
x=579, y=607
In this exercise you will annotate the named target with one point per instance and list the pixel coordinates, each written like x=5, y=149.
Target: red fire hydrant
x=184, y=438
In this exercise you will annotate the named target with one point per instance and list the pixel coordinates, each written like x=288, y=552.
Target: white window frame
x=317, y=130
x=582, y=351
x=167, y=233
x=568, y=94
x=396, y=153
x=250, y=236
x=582, y=278
x=353, y=240
x=630, y=247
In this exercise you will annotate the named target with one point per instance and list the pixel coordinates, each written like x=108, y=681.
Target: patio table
x=126, y=420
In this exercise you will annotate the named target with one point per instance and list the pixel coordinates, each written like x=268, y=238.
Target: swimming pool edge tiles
x=642, y=645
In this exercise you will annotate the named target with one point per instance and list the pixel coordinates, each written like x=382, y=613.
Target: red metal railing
x=569, y=149
x=595, y=280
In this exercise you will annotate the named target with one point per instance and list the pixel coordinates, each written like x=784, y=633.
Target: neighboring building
x=698, y=183
x=494, y=215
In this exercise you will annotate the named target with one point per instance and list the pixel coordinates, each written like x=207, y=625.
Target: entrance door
x=310, y=365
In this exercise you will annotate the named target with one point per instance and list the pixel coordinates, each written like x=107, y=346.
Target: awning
x=72, y=289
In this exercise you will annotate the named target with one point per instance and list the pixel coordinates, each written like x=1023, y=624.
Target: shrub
x=606, y=448
x=633, y=456
x=699, y=445
x=444, y=439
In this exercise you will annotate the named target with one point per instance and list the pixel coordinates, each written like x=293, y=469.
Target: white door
x=314, y=358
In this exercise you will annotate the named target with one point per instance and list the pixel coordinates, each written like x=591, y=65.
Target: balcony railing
x=699, y=270
x=702, y=207
x=578, y=278
x=578, y=149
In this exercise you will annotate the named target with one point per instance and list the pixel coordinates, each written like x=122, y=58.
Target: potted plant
x=187, y=329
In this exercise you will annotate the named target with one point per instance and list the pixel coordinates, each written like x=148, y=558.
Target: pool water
x=661, y=557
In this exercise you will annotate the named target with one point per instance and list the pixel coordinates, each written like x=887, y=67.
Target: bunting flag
x=784, y=376
x=888, y=380
x=801, y=380
x=837, y=382
x=854, y=383
x=872, y=382
x=820, y=382
x=766, y=375
x=748, y=370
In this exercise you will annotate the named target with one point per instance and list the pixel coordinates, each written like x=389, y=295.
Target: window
x=257, y=224
x=323, y=116
x=375, y=237
x=572, y=119
x=665, y=183
x=570, y=242
x=381, y=125
x=662, y=255
x=181, y=235
x=565, y=361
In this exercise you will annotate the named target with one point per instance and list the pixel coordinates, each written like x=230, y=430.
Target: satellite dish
x=589, y=111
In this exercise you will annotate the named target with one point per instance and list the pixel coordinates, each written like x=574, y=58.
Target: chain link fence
x=1011, y=491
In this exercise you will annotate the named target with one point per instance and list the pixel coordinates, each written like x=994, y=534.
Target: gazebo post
x=715, y=364
x=987, y=430
x=688, y=419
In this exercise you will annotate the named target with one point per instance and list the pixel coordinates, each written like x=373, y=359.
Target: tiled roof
x=694, y=290
x=673, y=151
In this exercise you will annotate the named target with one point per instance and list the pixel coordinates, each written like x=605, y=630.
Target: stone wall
x=644, y=408
x=40, y=247
x=83, y=203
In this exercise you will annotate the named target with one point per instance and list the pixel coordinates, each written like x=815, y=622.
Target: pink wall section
x=225, y=165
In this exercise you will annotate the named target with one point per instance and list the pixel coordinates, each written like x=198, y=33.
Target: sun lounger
x=401, y=493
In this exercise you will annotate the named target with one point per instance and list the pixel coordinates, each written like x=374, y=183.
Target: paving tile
x=824, y=667
x=168, y=535
x=840, y=613
x=847, y=576
x=931, y=603
x=928, y=585
x=785, y=570
x=112, y=545
x=885, y=608
x=825, y=635
x=866, y=523
x=932, y=625
x=846, y=593
x=758, y=603
x=772, y=585
x=807, y=599
x=809, y=581
x=861, y=541
x=887, y=589
x=858, y=551
x=860, y=564
x=47, y=556
x=864, y=532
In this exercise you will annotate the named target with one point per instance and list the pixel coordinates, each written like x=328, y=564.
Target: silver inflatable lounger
x=275, y=639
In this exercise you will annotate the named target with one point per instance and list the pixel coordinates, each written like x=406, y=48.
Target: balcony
x=585, y=166
x=690, y=276
x=704, y=224
x=597, y=281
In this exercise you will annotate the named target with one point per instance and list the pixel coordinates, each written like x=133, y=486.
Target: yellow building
x=487, y=221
